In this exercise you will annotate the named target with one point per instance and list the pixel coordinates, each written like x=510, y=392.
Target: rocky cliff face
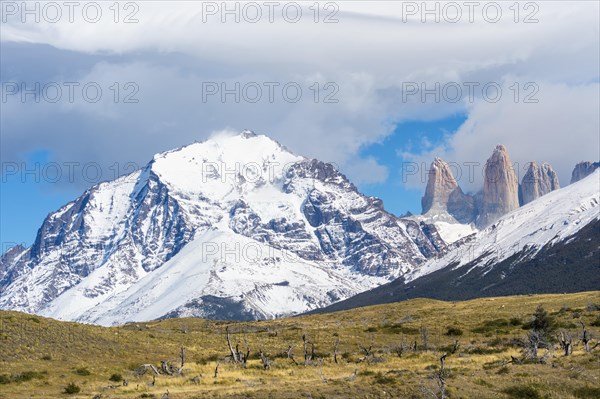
x=233, y=227
x=537, y=182
x=500, y=188
x=440, y=185
x=443, y=195
x=583, y=169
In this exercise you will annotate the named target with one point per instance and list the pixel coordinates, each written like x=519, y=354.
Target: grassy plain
x=40, y=357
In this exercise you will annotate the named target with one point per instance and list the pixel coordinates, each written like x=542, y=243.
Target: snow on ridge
x=546, y=220
x=133, y=248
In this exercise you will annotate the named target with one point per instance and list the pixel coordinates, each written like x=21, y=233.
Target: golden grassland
x=39, y=357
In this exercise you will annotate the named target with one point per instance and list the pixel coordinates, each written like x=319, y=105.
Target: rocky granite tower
x=500, y=188
x=443, y=195
x=537, y=182
x=440, y=184
x=583, y=169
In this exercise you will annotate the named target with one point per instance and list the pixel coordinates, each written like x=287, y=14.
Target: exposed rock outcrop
x=537, y=182
x=443, y=194
x=583, y=169
x=500, y=188
x=440, y=184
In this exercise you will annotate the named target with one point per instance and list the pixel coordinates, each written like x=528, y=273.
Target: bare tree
x=265, y=360
x=321, y=373
x=231, y=351
x=399, y=349
x=151, y=366
x=308, y=357
x=335, y=349
x=441, y=376
x=244, y=356
x=532, y=344
x=290, y=354
x=164, y=367
x=424, y=337
x=566, y=342
x=586, y=338
x=455, y=346
x=217, y=370
x=368, y=353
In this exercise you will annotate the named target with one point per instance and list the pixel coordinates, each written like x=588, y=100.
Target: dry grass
x=39, y=357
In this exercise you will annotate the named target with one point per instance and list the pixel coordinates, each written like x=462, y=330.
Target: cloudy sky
x=378, y=88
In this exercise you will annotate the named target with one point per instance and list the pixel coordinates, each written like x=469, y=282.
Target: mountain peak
x=501, y=148
x=212, y=229
x=247, y=134
x=440, y=184
x=583, y=169
x=537, y=181
x=444, y=197
x=500, y=189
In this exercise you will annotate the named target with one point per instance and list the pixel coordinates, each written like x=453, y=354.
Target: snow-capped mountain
x=523, y=232
x=233, y=227
x=548, y=245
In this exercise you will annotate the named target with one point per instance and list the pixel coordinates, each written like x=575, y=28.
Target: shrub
x=523, y=392
x=515, y=321
x=46, y=357
x=564, y=309
x=596, y=323
x=454, y=331
x=503, y=370
x=116, y=378
x=592, y=307
x=82, y=371
x=478, y=350
x=5, y=379
x=28, y=376
x=380, y=378
x=399, y=328
x=213, y=358
x=491, y=326
x=542, y=321
x=587, y=392
x=71, y=388
x=371, y=329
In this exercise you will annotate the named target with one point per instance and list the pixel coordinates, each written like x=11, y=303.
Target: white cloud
x=562, y=129
x=370, y=53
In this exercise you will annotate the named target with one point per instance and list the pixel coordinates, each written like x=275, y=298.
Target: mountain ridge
x=105, y=247
x=547, y=246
